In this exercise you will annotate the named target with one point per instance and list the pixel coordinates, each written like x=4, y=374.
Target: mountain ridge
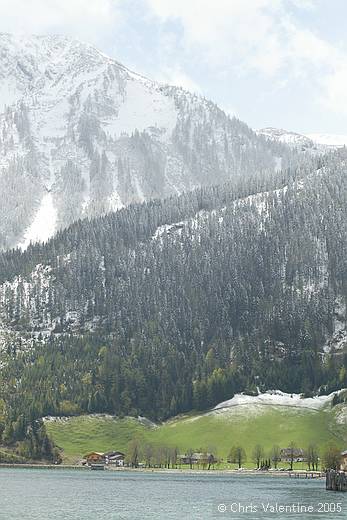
x=314, y=142
x=82, y=135
x=166, y=249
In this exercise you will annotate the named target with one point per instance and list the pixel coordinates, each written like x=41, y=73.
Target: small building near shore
x=343, y=466
x=198, y=458
x=95, y=457
x=295, y=454
x=115, y=458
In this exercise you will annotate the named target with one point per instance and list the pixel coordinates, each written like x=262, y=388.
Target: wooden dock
x=97, y=467
x=336, y=481
x=306, y=474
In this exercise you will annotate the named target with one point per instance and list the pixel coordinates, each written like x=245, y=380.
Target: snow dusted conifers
x=96, y=136
x=43, y=225
x=193, y=299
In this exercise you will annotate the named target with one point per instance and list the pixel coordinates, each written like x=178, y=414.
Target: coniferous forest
x=177, y=304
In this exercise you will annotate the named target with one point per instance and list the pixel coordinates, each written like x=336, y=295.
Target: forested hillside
x=177, y=304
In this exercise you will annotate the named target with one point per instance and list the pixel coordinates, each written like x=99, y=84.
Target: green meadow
x=241, y=425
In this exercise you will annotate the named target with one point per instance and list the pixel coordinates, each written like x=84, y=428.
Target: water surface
x=61, y=494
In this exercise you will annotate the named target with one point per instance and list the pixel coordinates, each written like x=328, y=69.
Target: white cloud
x=228, y=31
x=246, y=38
x=335, y=90
x=263, y=37
x=86, y=19
x=229, y=110
x=176, y=76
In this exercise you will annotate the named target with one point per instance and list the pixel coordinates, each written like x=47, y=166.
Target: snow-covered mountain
x=330, y=140
x=292, y=139
x=306, y=142
x=81, y=135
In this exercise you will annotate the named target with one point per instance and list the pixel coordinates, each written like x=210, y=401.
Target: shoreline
x=300, y=474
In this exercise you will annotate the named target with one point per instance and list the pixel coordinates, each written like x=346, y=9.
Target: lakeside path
x=300, y=474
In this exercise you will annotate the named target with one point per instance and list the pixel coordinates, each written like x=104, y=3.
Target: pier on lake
x=306, y=474
x=336, y=481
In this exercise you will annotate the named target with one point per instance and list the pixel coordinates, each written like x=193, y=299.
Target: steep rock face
x=81, y=135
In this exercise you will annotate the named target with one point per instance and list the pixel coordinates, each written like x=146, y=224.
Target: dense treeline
x=138, y=222
x=134, y=315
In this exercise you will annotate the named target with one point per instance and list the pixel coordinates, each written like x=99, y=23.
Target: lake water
x=61, y=494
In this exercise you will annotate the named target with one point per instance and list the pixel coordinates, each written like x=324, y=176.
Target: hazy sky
x=276, y=63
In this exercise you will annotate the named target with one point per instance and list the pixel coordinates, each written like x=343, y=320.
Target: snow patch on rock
x=44, y=224
x=144, y=107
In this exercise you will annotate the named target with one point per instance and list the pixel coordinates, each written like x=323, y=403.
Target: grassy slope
x=266, y=425
x=79, y=435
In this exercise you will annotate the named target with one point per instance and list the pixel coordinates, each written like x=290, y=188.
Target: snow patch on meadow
x=277, y=398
